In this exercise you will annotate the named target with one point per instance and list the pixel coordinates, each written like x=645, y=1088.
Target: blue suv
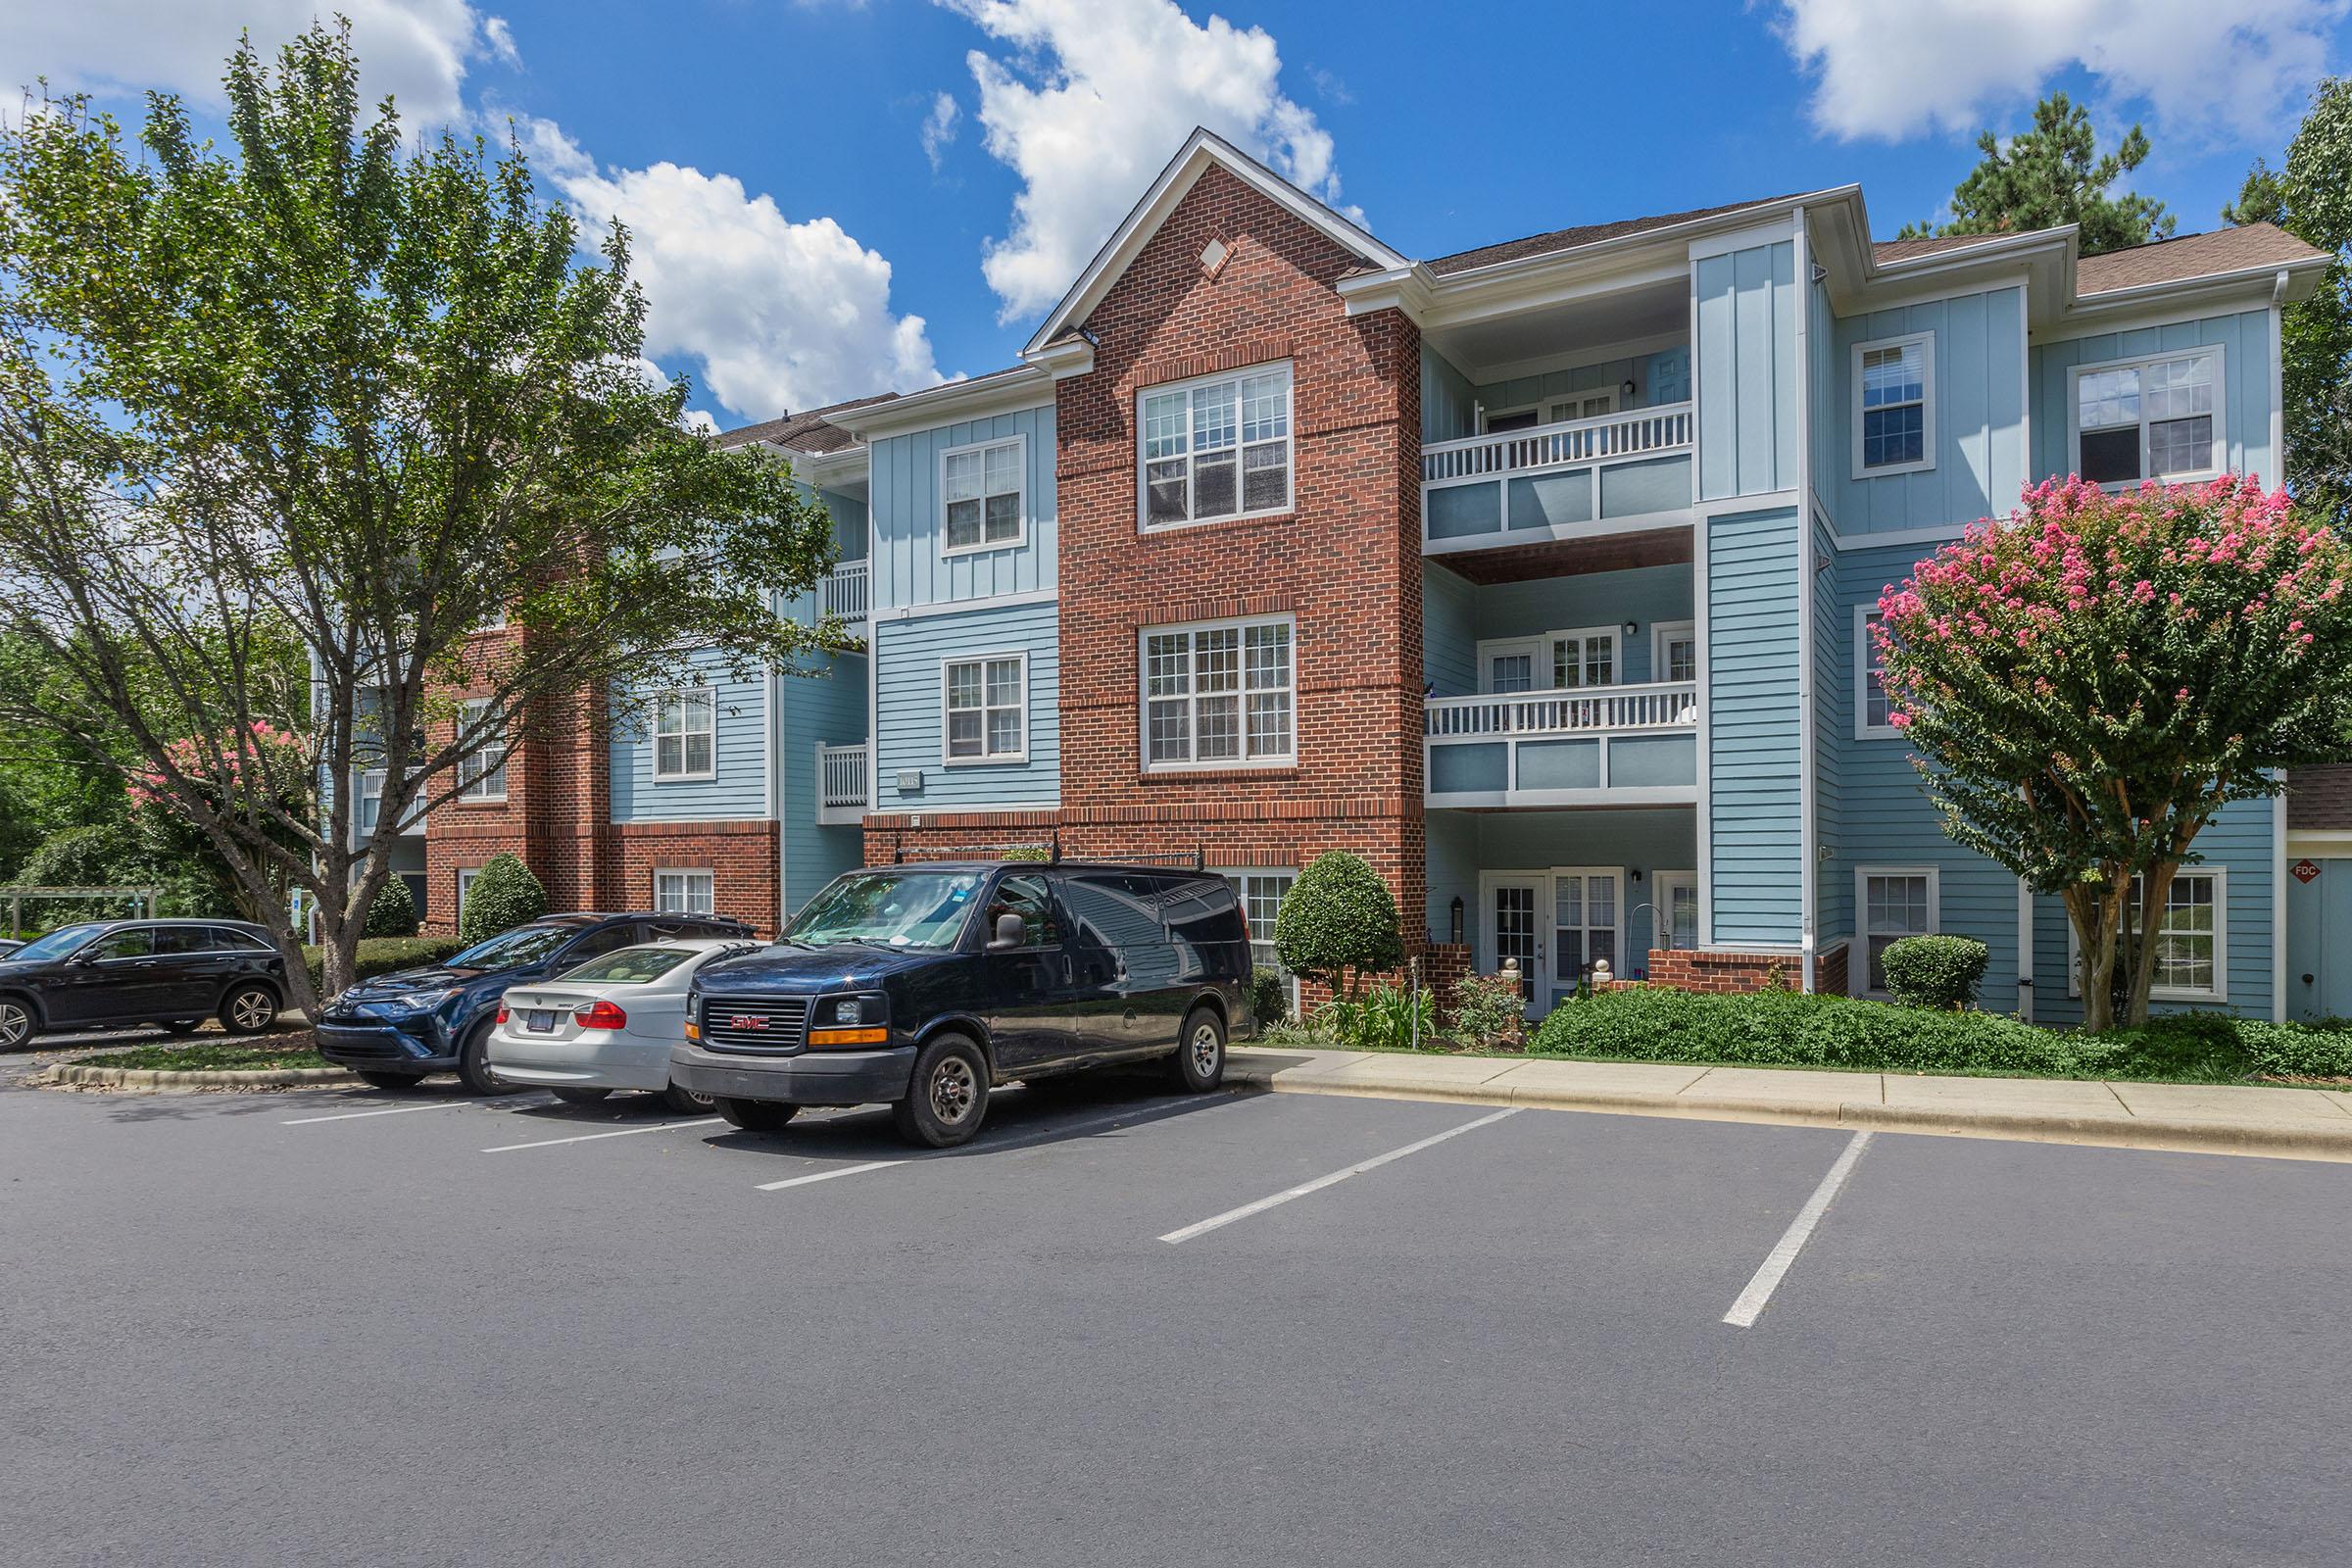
x=393, y=1029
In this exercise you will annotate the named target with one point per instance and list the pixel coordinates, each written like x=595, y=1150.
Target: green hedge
x=1788, y=1030
x=385, y=954
x=1935, y=971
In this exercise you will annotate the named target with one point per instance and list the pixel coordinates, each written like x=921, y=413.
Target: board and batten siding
x=908, y=523
x=823, y=706
x=909, y=722
x=738, y=791
x=2247, y=353
x=1448, y=631
x=1978, y=405
x=1751, y=713
x=1448, y=402
x=1746, y=371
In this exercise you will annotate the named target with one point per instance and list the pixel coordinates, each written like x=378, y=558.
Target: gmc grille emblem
x=746, y=1021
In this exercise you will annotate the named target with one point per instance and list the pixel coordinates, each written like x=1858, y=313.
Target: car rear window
x=632, y=966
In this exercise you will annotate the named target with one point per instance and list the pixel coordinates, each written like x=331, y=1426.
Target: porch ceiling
x=1560, y=558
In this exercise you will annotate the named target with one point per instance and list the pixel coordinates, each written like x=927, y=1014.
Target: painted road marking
x=828, y=1175
x=1140, y=1115
x=1751, y=1305
x=1203, y=1227
x=623, y=1132
x=354, y=1115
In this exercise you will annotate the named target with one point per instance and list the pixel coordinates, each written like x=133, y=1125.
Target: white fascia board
x=1024, y=386
x=2249, y=289
x=824, y=469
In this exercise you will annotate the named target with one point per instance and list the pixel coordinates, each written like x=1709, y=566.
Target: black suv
x=103, y=973
x=925, y=985
x=395, y=1028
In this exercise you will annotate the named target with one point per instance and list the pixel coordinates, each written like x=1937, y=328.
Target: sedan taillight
x=601, y=1015
x=502, y=1012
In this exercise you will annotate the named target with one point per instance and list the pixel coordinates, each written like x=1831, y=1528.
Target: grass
x=211, y=1056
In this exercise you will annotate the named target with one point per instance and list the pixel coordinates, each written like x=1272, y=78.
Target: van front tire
x=1199, y=1064
x=946, y=1099
x=755, y=1115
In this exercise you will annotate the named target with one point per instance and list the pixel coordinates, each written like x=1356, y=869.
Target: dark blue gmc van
x=925, y=985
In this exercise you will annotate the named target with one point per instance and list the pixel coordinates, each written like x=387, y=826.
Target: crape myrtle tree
x=362, y=395
x=2086, y=684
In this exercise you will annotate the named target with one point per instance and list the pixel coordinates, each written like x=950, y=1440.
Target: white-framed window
x=1557, y=661
x=1511, y=665
x=1262, y=891
x=466, y=877
x=1584, y=906
x=1219, y=694
x=1585, y=657
x=1894, y=902
x=1894, y=405
x=1674, y=651
x=2159, y=418
x=686, y=734
x=1591, y=403
x=1675, y=924
x=685, y=890
x=1217, y=447
x=482, y=771
x=984, y=710
x=2192, y=940
x=1874, y=709
x=984, y=496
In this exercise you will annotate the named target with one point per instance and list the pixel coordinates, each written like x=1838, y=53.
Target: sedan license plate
x=540, y=1020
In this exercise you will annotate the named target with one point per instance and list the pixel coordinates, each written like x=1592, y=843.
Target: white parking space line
x=1214, y=1221
x=620, y=1132
x=395, y=1111
x=1137, y=1116
x=828, y=1175
x=1751, y=1305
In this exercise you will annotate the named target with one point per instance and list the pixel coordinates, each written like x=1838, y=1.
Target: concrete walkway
x=2212, y=1118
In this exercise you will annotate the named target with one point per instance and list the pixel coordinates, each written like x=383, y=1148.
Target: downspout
x=1802, y=280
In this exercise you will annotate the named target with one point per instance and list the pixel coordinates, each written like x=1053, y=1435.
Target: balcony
x=1614, y=473
x=844, y=592
x=841, y=776
x=1598, y=746
x=369, y=801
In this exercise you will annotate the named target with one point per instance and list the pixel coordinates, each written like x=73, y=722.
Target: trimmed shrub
x=2297, y=1050
x=1339, y=920
x=1935, y=971
x=1269, y=998
x=1488, y=1011
x=503, y=894
x=393, y=912
x=387, y=954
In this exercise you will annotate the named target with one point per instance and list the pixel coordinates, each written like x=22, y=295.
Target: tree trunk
x=2156, y=886
x=2095, y=915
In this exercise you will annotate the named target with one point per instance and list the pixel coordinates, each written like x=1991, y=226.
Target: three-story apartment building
x=1538, y=575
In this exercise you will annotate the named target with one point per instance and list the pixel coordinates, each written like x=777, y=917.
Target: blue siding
x=740, y=789
x=1980, y=348
x=909, y=568
x=1461, y=843
x=1448, y=402
x=1746, y=371
x=1457, y=616
x=2318, y=943
x=2246, y=369
x=1751, y=717
x=908, y=723
x=1448, y=631
x=1660, y=377
x=826, y=706
x=849, y=541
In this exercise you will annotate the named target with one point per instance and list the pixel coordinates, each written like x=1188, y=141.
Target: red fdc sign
x=2305, y=870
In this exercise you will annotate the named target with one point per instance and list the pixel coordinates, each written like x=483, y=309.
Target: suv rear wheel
x=946, y=1099
x=248, y=1010
x=1199, y=1064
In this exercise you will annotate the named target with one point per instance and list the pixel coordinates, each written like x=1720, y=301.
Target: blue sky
x=833, y=197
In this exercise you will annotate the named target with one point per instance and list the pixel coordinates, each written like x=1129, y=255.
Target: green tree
x=363, y=399
x=1339, y=923
x=2311, y=198
x=2086, y=688
x=2053, y=175
x=503, y=894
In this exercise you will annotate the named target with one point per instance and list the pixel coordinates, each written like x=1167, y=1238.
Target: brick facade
x=1724, y=972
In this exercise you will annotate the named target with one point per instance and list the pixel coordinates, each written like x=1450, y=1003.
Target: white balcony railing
x=1664, y=704
x=1602, y=745
x=1595, y=474
x=841, y=783
x=844, y=591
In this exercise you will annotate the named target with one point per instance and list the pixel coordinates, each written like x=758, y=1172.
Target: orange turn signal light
x=694, y=1031
x=848, y=1036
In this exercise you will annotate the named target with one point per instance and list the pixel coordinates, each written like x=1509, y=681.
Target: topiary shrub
x=393, y=912
x=503, y=894
x=1269, y=998
x=1487, y=1012
x=1935, y=971
x=1338, y=923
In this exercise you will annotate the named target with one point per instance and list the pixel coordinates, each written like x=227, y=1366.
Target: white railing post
x=845, y=591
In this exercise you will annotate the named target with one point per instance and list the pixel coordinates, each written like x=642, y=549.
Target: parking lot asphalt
x=339, y=1326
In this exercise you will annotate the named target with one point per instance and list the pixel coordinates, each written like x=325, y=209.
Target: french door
x=1514, y=932
x=1585, y=905
x=1676, y=924
x=1555, y=924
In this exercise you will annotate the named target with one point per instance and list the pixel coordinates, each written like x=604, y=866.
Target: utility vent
x=1215, y=256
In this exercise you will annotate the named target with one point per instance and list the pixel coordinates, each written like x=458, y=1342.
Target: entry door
x=1514, y=930
x=1677, y=923
x=1585, y=907
x=1511, y=666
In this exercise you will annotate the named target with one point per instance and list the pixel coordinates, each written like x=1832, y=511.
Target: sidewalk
x=2207, y=1119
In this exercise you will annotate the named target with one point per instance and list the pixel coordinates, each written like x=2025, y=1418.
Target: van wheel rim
x=1204, y=1049
x=953, y=1089
x=251, y=1010
x=15, y=1023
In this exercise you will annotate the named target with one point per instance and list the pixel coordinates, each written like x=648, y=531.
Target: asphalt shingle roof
x=2169, y=261
x=2319, y=797
x=1566, y=239
x=806, y=431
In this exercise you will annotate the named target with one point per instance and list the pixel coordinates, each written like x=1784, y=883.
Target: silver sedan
x=609, y=1024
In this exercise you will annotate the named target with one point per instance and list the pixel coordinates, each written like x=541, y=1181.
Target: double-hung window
x=679, y=891
x=1895, y=903
x=482, y=771
x=1874, y=709
x=987, y=708
x=1894, y=406
x=1674, y=651
x=2192, y=938
x=1219, y=695
x=1583, y=659
x=2156, y=418
x=984, y=491
x=686, y=734
x=1262, y=894
x=1216, y=448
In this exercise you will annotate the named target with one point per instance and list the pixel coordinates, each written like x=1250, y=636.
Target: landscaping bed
x=291, y=1051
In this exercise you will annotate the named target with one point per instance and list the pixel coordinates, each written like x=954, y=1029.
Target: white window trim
x=1862, y=931
x=1544, y=408
x=2221, y=944
x=1143, y=701
x=1142, y=487
x=1662, y=632
x=1239, y=876
x=705, y=775
x=466, y=877
x=1927, y=410
x=1548, y=927
x=986, y=545
x=1661, y=911
x=1864, y=729
x=987, y=759
x=2221, y=416
x=1540, y=645
x=467, y=791
x=707, y=873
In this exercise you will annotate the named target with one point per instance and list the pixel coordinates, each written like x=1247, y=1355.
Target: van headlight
x=848, y=1021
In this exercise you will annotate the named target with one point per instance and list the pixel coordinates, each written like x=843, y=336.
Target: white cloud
x=939, y=128
x=777, y=315
x=417, y=50
x=1093, y=97
x=2234, y=70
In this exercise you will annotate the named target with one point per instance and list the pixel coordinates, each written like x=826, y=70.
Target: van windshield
x=888, y=909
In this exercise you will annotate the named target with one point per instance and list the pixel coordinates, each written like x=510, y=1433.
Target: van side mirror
x=1010, y=933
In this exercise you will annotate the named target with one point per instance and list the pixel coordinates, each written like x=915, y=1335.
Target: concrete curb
x=2329, y=1140
x=155, y=1080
